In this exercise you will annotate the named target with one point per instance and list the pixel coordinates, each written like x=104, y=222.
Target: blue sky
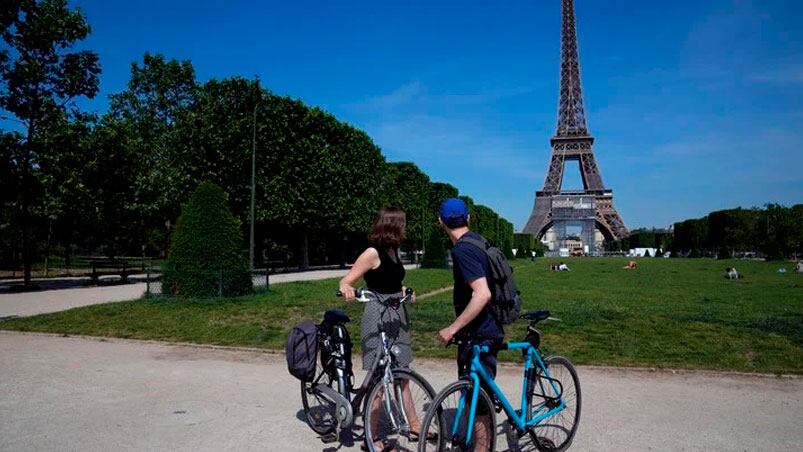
x=695, y=105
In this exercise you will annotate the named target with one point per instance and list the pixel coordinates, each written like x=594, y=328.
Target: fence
x=217, y=282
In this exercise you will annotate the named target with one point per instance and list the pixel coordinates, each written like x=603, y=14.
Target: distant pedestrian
x=731, y=273
x=799, y=266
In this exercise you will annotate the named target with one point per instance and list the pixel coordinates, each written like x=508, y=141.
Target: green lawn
x=668, y=313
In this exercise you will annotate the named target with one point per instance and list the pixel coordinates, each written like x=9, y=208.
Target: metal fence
x=216, y=279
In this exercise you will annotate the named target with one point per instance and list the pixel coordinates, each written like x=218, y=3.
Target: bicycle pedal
x=330, y=438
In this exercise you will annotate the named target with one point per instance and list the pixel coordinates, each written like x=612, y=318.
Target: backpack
x=302, y=350
x=506, y=299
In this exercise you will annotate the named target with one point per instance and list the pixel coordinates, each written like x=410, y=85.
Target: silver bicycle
x=391, y=400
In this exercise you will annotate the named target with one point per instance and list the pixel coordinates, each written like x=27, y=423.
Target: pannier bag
x=302, y=351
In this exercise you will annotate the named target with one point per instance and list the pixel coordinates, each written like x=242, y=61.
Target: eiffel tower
x=587, y=209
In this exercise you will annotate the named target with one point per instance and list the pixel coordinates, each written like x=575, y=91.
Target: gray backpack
x=302, y=351
x=506, y=302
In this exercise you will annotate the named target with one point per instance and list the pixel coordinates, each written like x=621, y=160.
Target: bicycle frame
x=383, y=360
x=524, y=421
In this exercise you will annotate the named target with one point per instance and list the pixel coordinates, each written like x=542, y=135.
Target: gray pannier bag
x=302, y=350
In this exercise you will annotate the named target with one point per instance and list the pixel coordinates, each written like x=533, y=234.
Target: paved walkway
x=62, y=393
x=42, y=302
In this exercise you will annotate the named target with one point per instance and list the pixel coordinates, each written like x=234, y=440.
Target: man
x=471, y=270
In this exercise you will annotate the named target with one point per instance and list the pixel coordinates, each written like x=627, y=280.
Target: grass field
x=678, y=313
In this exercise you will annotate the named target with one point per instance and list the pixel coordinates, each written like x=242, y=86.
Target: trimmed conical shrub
x=206, y=256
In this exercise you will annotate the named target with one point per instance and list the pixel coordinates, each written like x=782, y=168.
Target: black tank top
x=388, y=277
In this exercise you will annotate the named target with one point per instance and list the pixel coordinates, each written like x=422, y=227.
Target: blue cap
x=453, y=212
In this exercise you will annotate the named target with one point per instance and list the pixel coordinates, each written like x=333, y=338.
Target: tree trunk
x=303, y=254
x=26, y=253
x=47, y=245
x=343, y=243
x=67, y=256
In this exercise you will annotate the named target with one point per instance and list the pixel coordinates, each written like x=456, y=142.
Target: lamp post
x=253, y=182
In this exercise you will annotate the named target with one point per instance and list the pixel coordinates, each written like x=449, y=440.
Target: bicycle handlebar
x=362, y=295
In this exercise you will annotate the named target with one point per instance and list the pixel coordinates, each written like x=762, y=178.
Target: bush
x=723, y=253
x=435, y=252
x=206, y=254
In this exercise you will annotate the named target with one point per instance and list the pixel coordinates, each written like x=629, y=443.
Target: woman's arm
x=368, y=260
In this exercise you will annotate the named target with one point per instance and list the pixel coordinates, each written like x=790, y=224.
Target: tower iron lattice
x=589, y=208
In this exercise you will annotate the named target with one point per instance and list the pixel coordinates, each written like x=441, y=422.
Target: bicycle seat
x=535, y=316
x=336, y=316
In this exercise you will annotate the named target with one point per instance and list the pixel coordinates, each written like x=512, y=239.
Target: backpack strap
x=480, y=243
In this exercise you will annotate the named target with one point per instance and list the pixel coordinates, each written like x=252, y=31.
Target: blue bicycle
x=462, y=416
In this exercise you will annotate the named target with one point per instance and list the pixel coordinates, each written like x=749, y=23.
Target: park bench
x=102, y=267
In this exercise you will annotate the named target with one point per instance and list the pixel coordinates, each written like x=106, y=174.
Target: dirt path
x=42, y=302
x=61, y=393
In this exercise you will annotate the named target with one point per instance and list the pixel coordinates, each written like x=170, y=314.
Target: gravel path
x=64, y=393
x=42, y=302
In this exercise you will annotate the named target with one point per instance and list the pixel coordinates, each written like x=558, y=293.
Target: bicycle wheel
x=446, y=423
x=556, y=432
x=396, y=421
x=319, y=410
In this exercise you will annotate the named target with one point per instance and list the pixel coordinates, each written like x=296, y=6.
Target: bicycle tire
x=420, y=399
x=549, y=435
x=441, y=414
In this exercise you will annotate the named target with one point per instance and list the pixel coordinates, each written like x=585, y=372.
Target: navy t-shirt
x=470, y=263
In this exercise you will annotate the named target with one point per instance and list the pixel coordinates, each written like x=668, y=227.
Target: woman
x=384, y=273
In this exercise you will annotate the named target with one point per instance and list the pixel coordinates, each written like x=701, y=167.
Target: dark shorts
x=488, y=361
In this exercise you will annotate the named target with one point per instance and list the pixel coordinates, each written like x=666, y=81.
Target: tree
x=214, y=138
x=435, y=252
x=207, y=256
x=145, y=117
x=796, y=233
x=437, y=192
x=68, y=201
x=338, y=190
x=486, y=222
x=690, y=236
x=407, y=187
x=39, y=79
x=776, y=225
x=506, y=237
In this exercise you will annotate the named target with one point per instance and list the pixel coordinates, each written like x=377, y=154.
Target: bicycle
x=334, y=409
x=551, y=392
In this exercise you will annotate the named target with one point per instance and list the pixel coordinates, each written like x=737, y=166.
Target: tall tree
x=407, y=187
x=39, y=79
x=145, y=117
